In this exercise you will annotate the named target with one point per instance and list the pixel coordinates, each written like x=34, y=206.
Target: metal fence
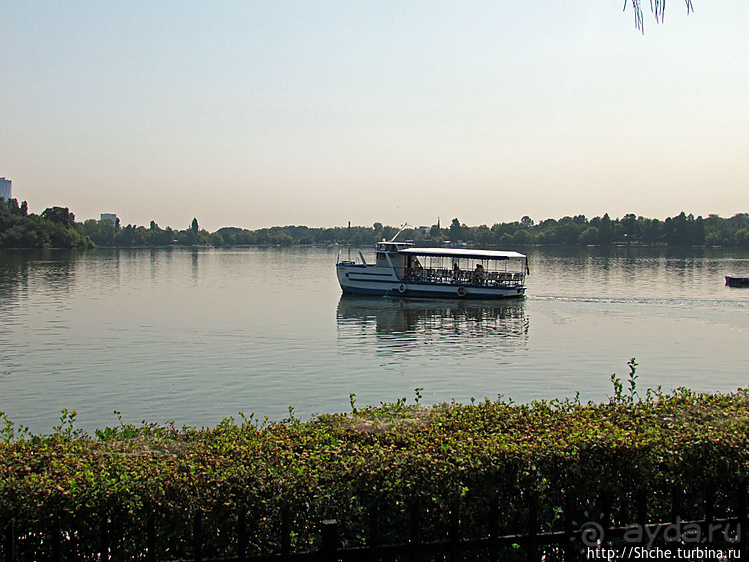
x=702, y=538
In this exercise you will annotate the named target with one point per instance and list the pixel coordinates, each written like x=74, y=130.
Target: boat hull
x=360, y=279
x=737, y=281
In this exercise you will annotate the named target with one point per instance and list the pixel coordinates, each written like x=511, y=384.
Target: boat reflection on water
x=435, y=327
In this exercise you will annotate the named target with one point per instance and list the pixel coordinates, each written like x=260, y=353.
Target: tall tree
x=456, y=230
x=605, y=230
x=59, y=215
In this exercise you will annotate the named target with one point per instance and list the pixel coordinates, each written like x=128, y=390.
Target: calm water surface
x=198, y=335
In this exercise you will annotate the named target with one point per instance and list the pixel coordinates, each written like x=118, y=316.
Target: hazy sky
x=254, y=114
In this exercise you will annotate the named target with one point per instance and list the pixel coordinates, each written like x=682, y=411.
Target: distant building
x=109, y=217
x=6, y=189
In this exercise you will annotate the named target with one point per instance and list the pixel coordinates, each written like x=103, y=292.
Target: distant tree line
x=56, y=227
x=681, y=230
x=113, y=234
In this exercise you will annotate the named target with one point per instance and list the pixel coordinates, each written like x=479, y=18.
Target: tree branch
x=658, y=7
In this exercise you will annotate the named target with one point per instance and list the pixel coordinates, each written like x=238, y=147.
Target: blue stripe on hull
x=416, y=293
x=363, y=291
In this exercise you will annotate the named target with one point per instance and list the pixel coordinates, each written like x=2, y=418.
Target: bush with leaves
x=340, y=465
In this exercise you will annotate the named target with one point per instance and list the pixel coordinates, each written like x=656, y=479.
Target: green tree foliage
x=457, y=231
x=102, y=232
x=59, y=215
x=605, y=231
x=54, y=228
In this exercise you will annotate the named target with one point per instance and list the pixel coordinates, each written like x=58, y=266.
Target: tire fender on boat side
x=402, y=288
x=461, y=291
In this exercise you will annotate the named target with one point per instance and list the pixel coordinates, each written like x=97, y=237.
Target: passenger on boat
x=456, y=272
x=478, y=274
x=413, y=269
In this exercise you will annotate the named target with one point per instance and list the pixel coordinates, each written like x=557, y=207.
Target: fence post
x=242, y=534
x=197, y=536
x=676, y=493
x=742, y=529
x=373, y=541
x=642, y=511
x=709, y=508
x=10, y=541
x=676, y=497
x=494, y=527
x=454, y=527
x=606, y=501
x=415, y=535
x=533, y=527
x=569, y=515
x=285, y=532
x=329, y=547
x=151, y=537
x=56, y=538
x=642, y=506
x=104, y=539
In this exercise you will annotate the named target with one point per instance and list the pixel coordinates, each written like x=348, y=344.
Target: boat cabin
x=387, y=254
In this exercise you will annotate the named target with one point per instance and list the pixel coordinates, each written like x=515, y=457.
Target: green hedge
x=336, y=466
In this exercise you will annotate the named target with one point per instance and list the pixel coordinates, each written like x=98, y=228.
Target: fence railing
x=707, y=537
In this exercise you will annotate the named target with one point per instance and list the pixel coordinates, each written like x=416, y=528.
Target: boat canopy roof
x=462, y=253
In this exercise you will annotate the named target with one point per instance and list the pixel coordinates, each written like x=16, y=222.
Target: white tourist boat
x=400, y=269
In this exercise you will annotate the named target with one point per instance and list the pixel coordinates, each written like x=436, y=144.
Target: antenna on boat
x=405, y=224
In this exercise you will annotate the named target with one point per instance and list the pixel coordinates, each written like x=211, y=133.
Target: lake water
x=196, y=335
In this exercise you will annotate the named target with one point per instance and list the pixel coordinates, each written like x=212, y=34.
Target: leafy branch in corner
x=658, y=7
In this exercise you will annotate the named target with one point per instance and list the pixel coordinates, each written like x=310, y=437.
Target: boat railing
x=462, y=277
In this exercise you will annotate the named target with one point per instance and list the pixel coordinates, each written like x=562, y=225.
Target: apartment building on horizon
x=6, y=188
